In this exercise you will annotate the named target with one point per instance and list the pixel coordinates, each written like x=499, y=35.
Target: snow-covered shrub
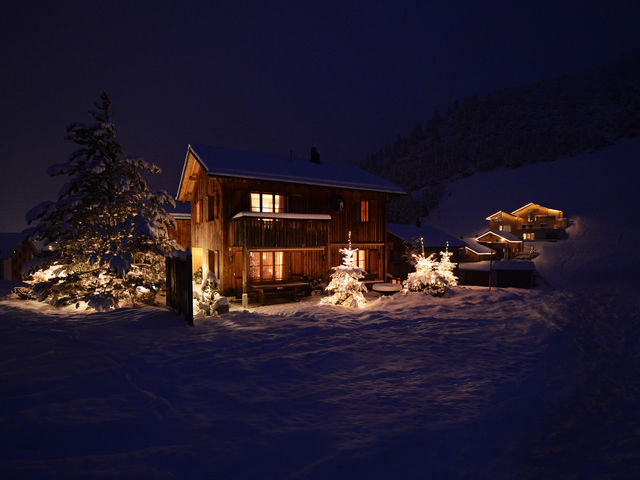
x=210, y=287
x=102, y=302
x=197, y=276
x=207, y=300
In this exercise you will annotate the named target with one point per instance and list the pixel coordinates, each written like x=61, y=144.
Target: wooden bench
x=273, y=289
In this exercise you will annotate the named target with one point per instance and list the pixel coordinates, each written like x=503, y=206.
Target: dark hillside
x=512, y=127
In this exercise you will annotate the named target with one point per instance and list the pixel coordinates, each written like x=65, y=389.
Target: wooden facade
x=182, y=233
x=252, y=231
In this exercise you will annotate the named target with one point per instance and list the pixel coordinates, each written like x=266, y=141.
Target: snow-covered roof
x=289, y=216
x=534, y=205
x=500, y=265
x=432, y=237
x=262, y=166
x=9, y=241
x=507, y=236
x=182, y=211
x=477, y=247
x=498, y=212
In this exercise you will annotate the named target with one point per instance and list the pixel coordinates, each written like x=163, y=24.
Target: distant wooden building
x=263, y=222
x=475, y=251
x=505, y=244
x=182, y=217
x=530, y=222
x=403, y=237
x=15, y=251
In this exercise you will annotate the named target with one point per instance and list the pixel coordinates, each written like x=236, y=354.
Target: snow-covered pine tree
x=345, y=283
x=445, y=268
x=425, y=275
x=106, y=230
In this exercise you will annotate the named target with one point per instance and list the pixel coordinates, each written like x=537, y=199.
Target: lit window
x=361, y=259
x=364, y=211
x=505, y=228
x=528, y=236
x=255, y=202
x=266, y=266
x=279, y=265
x=212, y=207
x=267, y=202
x=198, y=207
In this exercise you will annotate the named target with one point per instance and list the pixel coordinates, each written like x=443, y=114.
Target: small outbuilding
x=508, y=273
x=475, y=251
x=15, y=250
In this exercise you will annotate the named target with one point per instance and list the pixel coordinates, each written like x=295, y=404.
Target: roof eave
x=184, y=167
x=316, y=183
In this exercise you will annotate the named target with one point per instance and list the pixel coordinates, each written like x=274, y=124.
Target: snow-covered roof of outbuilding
x=9, y=241
x=432, y=237
x=477, y=247
x=262, y=166
x=508, y=236
x=182, y=211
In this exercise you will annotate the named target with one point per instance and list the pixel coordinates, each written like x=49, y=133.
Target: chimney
x=315, y=156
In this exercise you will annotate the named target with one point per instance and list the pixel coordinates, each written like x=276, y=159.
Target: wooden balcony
x=280, y=230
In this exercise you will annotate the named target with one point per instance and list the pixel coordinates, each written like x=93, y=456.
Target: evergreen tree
x=424, y=276
x=445, y=268
x=431, y=276
x=104, y=219
x=345, y=283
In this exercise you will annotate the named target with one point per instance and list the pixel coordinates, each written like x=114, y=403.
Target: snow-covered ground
x=298, y=390
x=504, y=383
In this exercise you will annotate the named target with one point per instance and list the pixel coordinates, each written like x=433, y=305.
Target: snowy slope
x=597, y=191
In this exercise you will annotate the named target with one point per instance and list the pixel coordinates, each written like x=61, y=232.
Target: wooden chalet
x=266, y=223
x=505, y=244
x=530, y=222
x=15, y=251
x=402, y=239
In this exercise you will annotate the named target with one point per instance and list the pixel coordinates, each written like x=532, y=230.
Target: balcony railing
x=546, y=223
x=280, y=230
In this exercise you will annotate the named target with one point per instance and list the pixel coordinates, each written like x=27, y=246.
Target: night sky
x=346, y=77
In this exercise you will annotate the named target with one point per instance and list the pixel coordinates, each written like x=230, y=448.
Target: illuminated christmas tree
x=431, y=276
x=445, y=268
x=345, y=285
x=425, y=274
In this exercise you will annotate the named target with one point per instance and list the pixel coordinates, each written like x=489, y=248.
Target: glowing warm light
x=345, y=283
x=431, y=276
